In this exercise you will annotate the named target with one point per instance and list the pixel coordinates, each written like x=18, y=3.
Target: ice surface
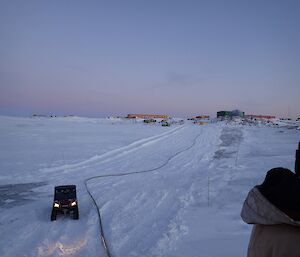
x=188, y=204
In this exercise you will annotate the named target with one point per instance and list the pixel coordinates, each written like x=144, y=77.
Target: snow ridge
x=102, y=234
x=108, y=156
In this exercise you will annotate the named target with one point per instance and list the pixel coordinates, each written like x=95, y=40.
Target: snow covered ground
x=181, y=194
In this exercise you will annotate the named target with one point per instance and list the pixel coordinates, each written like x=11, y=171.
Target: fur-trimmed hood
x=258, y=210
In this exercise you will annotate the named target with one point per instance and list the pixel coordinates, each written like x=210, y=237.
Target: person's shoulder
x=274, y=241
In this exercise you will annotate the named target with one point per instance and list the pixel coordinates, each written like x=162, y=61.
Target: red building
x=148, y=116
x=252, y=116
x=202, y=117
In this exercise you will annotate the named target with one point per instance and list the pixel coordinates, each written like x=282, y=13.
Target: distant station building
x=223, y=114
x=199, y=117
x=230, y=114
x=39, y=115
x=253, y=116
x=147, y=116
x=202, y=117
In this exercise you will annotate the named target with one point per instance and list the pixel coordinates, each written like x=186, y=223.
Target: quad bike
x=65, y=202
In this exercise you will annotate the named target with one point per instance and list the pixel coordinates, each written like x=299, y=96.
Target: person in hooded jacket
x=274, y=209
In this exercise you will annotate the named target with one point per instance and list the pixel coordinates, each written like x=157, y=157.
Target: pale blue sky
x=98, y=58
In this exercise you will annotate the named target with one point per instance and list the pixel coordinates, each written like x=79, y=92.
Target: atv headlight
x=73, y=203
x=56, y=205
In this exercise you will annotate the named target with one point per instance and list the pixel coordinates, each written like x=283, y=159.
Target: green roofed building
x=223, y=114
x=228, y=114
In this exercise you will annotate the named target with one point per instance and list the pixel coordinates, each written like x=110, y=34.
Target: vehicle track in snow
x=102, y=233
x=113, y=154
x=55, y=238
x=61, y=246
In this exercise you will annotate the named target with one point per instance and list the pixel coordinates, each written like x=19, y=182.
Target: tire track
x=102, y=233
x=113, y=154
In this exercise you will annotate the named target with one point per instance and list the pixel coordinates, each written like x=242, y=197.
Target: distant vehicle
x=149, y=121
x=65, y=201
x=165, y=124
x=180, y=122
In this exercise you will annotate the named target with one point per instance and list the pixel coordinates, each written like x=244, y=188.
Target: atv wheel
x=76, y=214
x=53, y=215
